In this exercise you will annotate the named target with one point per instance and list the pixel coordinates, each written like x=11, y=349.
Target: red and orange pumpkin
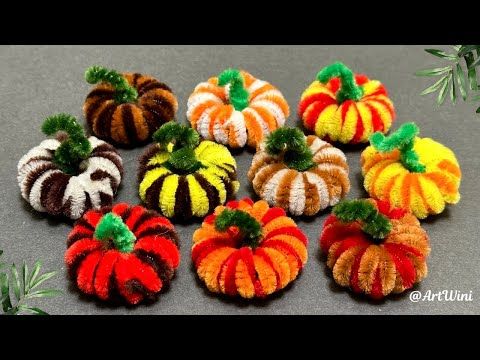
x=248, y=249
x=122, y=251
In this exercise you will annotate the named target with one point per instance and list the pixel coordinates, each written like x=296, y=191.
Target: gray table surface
x=38, y=81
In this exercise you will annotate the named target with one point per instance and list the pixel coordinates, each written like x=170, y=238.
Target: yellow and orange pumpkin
x=340, y=106
x=418, y=174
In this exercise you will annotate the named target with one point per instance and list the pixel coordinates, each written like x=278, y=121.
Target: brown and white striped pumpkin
x=48, y=189
x=130, y=123
x=301, y=192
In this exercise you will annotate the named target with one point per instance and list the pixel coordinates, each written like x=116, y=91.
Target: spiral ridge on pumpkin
x=186, y=195
x=423, y=193
x=376, y=268
x=48, y=189
x=229, y=266
x=130, y=123
x=301, y=192
x=349, y=121
x=103, y=269
x=212, y=114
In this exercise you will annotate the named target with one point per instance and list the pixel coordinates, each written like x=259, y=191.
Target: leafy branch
x=25, y=286
x=453, y=74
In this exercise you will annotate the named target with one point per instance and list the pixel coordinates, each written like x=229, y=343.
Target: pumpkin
x=71, y=174
x=126, y=109
x=418, y=174
x=302, y=175
x=248, y=249
x=235, y=109
x=123, y=253
x=182, y=177
x=340, y=106
x=374, y=248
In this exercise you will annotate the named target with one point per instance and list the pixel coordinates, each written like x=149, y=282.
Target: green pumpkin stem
x=184, y=140
x=292, y=143
x=403, y=139
x=349, y=89
x=112, y=227
x=238, y=94
x=374, y=223
x=74, y=149
x=250, y=228
x=124, y=93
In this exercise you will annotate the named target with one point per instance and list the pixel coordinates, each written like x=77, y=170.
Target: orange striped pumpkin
x=212, y=113
x=130, y=123
x=348, y=115
x=230, y=264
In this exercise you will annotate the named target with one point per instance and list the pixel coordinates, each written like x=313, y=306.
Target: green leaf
x=461, y=82
x=15, y=282
x=443, y=91
x=453, y=93
x=5, y=291
x=441, y=54
x=433, y=72
x=434, y=87
x=475, y=63
x=25, y=277
x=472, y=74
x=42, y=278
x=456, y=47
x=475, y=98
x=43, y=293
x=32, y=310
x=33, y=275
x=465, y=49
x=478, y=110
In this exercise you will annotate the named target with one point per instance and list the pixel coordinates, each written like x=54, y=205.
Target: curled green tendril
x=74, y=148
x=374, y=223
x=112, y=227
x=403, y=139
x=124, y=93
x=291, y=142
x=184, y=140
x=349, y=89
x=250, y=228
x=238, y=95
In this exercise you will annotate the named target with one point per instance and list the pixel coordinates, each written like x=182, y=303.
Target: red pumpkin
x=125, y=251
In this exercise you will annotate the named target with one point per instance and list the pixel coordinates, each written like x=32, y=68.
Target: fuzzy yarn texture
x=301, y=192
x=129, y=123
x=236, y=109
x=48, y=189
x=340, y=106
x=187, y=181
x=421, y=175
x=372, y=266
x=233, y=258
x=122, y=253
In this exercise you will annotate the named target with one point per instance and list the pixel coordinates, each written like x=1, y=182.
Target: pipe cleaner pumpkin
x=183, y=177
x=236, y=109
x=341, y=106
x=127, y=108
x=71, y=174
x=374, y=248
x=124, y=251
x=302, y=175
x=418, y=174
x=248, y=249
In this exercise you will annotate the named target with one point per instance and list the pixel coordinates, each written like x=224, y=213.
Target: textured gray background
x=40, y=81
